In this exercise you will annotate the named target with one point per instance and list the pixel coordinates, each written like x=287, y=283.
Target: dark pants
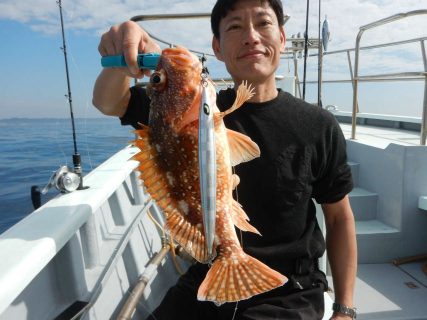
x=300, y=298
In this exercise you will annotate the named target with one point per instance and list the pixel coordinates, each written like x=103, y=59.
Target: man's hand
x=128, y=39
x=111, y=91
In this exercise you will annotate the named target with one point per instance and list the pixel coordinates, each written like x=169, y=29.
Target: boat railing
x=178, y=16
x=356, y=78
x=113, y=205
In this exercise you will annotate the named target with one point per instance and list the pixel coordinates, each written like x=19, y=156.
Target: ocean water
x=32, y=149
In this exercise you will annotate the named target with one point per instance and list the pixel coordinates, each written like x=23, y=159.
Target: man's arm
x=111, y=91
x=342, y=250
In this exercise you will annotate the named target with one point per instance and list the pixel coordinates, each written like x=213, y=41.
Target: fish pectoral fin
x=242, y=148
x=189, y=116
x=238, y=277
x=240, y=218
x=244, y=93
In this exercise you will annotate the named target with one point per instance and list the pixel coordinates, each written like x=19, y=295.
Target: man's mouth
x=252, y=54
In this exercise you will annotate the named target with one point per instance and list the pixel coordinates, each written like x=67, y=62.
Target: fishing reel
x=64, y=180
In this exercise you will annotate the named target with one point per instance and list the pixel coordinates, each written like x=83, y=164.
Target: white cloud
x=96, y=16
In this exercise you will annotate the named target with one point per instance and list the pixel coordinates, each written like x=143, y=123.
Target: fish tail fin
x=244, y=93
x=238, y=277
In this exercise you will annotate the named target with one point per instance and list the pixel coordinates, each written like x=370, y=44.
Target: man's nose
x=251, y=35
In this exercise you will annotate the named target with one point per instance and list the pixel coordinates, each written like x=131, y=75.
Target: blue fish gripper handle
x=145, y=61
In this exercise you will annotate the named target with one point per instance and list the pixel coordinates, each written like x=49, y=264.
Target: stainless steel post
x=351, y=73
x=424, y=118
x=355, y=84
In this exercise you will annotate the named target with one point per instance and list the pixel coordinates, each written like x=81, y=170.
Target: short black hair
x=223, y=7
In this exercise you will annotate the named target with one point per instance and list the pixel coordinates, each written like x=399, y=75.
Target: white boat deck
x=382, y=137
x=388, y=292
x=383, y=290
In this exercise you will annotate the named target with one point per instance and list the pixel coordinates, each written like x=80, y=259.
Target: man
x=302, y=157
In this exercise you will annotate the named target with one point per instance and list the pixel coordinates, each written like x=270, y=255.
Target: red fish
x=170, y=171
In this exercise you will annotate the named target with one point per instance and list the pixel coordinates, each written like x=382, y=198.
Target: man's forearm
x=342, y=254
x=111, y=92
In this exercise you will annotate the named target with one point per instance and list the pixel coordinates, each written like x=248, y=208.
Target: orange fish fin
x=142, y=144
x=154, y=179
x=240, y=219
x=191, y=115
x=144, y=130
x=242, y=148
x=188, y=235
x=244, y=93
x=144, y=138
x=236, y=278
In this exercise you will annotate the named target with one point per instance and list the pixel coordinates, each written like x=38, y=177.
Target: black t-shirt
x=303, y=156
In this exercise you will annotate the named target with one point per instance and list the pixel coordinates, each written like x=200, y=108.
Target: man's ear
x=216, y=48
x=282, y=39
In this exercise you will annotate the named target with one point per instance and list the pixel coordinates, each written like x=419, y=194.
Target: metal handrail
x=179, y=16
x=376, y=46
x=356, y=76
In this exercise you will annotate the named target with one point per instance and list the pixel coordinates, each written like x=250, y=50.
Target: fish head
x=175, y=88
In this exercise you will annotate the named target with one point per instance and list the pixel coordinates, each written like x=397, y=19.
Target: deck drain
x=411, y=285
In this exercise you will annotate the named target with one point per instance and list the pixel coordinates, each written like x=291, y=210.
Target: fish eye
x=158, y=80
x=206, y=108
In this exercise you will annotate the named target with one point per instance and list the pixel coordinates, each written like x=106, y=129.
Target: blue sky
x=33, y=82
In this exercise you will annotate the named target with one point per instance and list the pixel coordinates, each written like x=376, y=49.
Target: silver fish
x=207, y=168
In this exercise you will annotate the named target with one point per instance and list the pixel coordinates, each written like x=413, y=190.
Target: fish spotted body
x=169, y=169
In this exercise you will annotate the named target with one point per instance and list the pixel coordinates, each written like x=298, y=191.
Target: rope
x=172, y=244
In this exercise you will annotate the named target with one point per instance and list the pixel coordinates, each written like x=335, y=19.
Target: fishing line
x=86, y=108
x=141, y=303
x=69, y=97
x=85, y=111
x=59, y=143
x=236, y=192
x=76, y=155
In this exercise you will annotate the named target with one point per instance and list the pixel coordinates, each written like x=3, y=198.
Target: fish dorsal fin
x=244, y=93
x=242, y=148
x=240, y=218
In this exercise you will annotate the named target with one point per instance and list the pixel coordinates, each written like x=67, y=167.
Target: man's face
x=250, y=42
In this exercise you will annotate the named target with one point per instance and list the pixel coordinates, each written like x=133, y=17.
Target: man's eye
x=233, y=27
x=265, y=23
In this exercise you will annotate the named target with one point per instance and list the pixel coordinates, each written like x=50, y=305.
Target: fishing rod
x=319, y=61
x=64, y=179
x=305, y=50
x=76, y=155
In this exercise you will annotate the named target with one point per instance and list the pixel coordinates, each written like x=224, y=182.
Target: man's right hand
x=128, y=39
x=111, y=93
